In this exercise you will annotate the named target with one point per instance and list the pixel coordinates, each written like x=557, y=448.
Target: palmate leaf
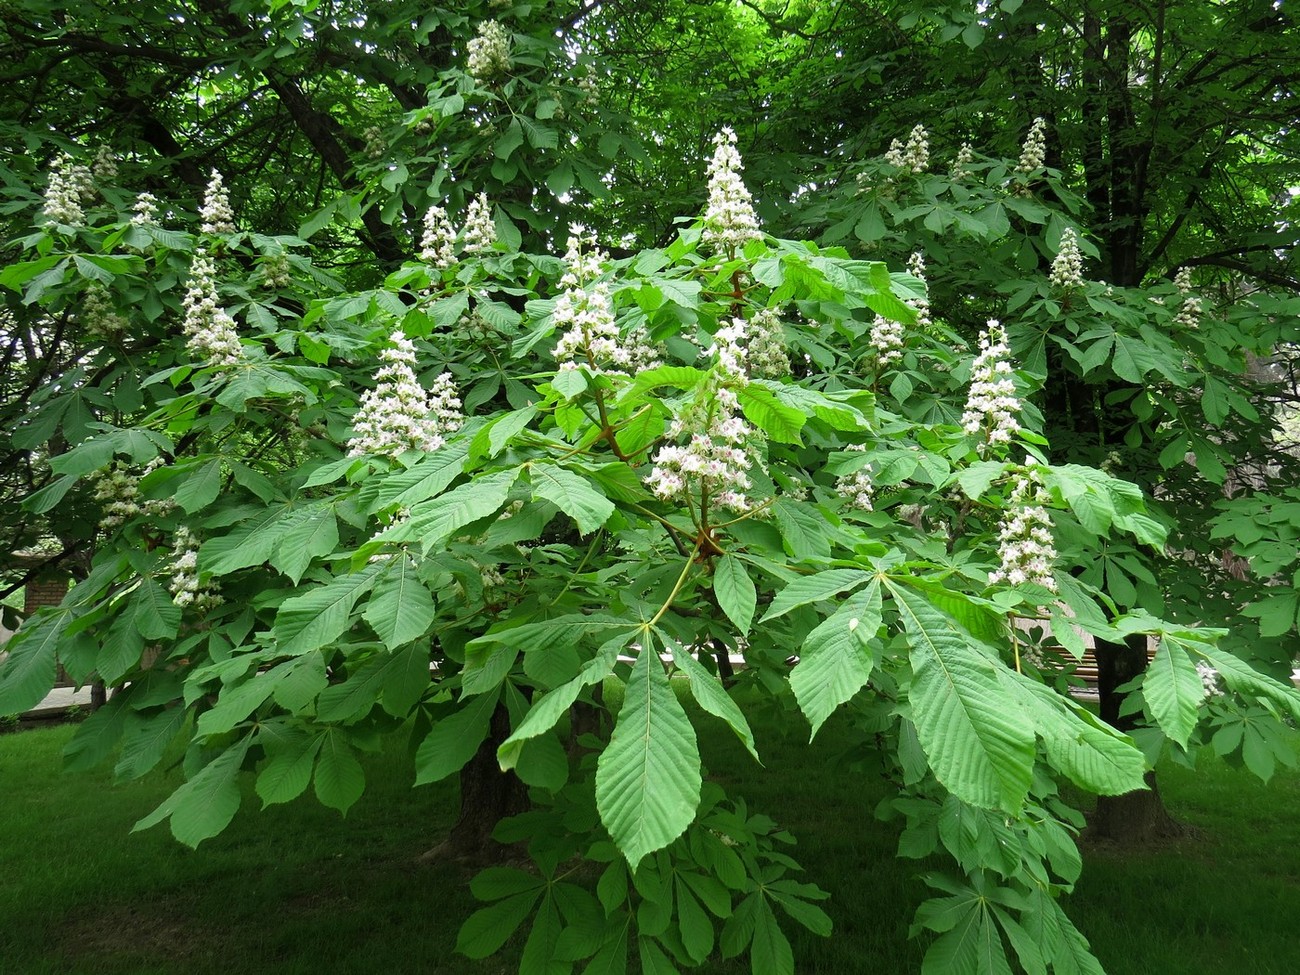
x=29, y=671
x=322, y=614
x=837, y=659
x=454, y=740
x=401, y=607
x=572, y=494
x=205, y=805
x=433, y=521
x=712, y=696
x=979, y=742
x=1174, y=691
x=648, y=778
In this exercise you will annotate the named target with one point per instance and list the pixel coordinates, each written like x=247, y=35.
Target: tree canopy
x=494, y=375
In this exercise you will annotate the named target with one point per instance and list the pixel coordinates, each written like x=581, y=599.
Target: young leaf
x=735, y=592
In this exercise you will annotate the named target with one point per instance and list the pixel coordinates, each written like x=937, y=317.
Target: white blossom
x=992, y=403
x=1183, y=280
x=489, y=53
x=751, y=348
x=209, y=329
x=585, y=312
x=589, y=86
x=1067, y=266
x=185, y=586
x=438, y=245
x=376, y=144
x=886, y=340
x=729, y=218
x=398, y=414
x=480, y=231
x=857, y=488
x=915, y=156
x=98, y=316
x=1211, y=683
x=216, y=214
x=1025, y=548
x=70, y=185
x=276, y=272
x=144, y=213
x=712, y=466
x=104, y=168
x=1189, y=313
x=118, y=489
x=963, y=159
x=1034, y=152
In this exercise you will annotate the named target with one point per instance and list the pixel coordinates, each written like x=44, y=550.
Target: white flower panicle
x=1025, y=547
x=713, y=465
x=209, y=331
x=1067, y=266
x=376, y=144
x=276, y=272
x=729, y=218
x=751, y=348
x=398, y=414
x=1034, y=152
x=585, y=312
x=438, y=245
x=104, y=168
x=1189, y=313
x=965, y=155
x=913, y=157
x=216, y=214
x=992, y=403
x=69, y=187
x=144, y=213
x=119, y=491
x=886, y=340
x=1211, y=683
x=480, y=231
x=916, y=268
x=489, y=53
x=1183, y=280
x=186, y=588
x=588, y=84
x=98, y=316
x=857, y=488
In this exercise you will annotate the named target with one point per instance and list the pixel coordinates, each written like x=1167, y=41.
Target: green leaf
x=287, y=773
x=406, y=679
x=146, y=739
x=425, y=479
x=339, y=777
x=200, y=487
x=762, y=407
x=454, y=740
x=320, y=615
x=29, y=671
x=810, y=589
x=713, y=697
x=310, y=536
x=837, y=659
x=401, y=607
x=551, y=706
x=979, y=743
x=770, y=953
x=572, y=494
x=1174, y=691
x=486, y=930
x=205, y=805
x=156, y=616
x=735, y=592
x=433, y=521
x=648, y=778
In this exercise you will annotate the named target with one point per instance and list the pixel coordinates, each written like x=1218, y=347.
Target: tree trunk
x=1140, y=816
x=487, y=796
x=722, y=654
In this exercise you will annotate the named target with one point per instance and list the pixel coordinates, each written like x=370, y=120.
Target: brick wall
x=47, y=589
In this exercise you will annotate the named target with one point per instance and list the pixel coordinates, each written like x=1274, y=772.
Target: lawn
x=299, y=889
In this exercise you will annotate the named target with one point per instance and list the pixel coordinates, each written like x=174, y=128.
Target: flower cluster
x=916, y=268
x=1025, y=546
x=217, y=216
x=915, y=156
x=729, y=218
x=489, y=53
x=753, y=347
x=119, y=492
x=886, y=339
x=104, y=168
x=70, y=186
x=1067, y=266
x=713, y=465
x=992, y=403
x=1211, y=683
x=185, y=586
x=480, y=231
x=857, y=488
x=376, y=144
x=98, y=316
x=1183, y=280
x=276, y=272
x=1189, y=315
x=1034, y=152
x=588, y=84
x=398, y=415
x=144, y=213
x=585, y=312
x=965, y=155
x=438, y=245
x=209, y=330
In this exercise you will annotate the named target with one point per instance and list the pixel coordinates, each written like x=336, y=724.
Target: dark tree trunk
x=1136, y=817
x=98, y=695
x=722, y=655
x=487, y=796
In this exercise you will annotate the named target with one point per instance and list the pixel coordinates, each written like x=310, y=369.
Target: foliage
x=628, y=468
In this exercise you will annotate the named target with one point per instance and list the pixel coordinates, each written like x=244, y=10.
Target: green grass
x=299, y=889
